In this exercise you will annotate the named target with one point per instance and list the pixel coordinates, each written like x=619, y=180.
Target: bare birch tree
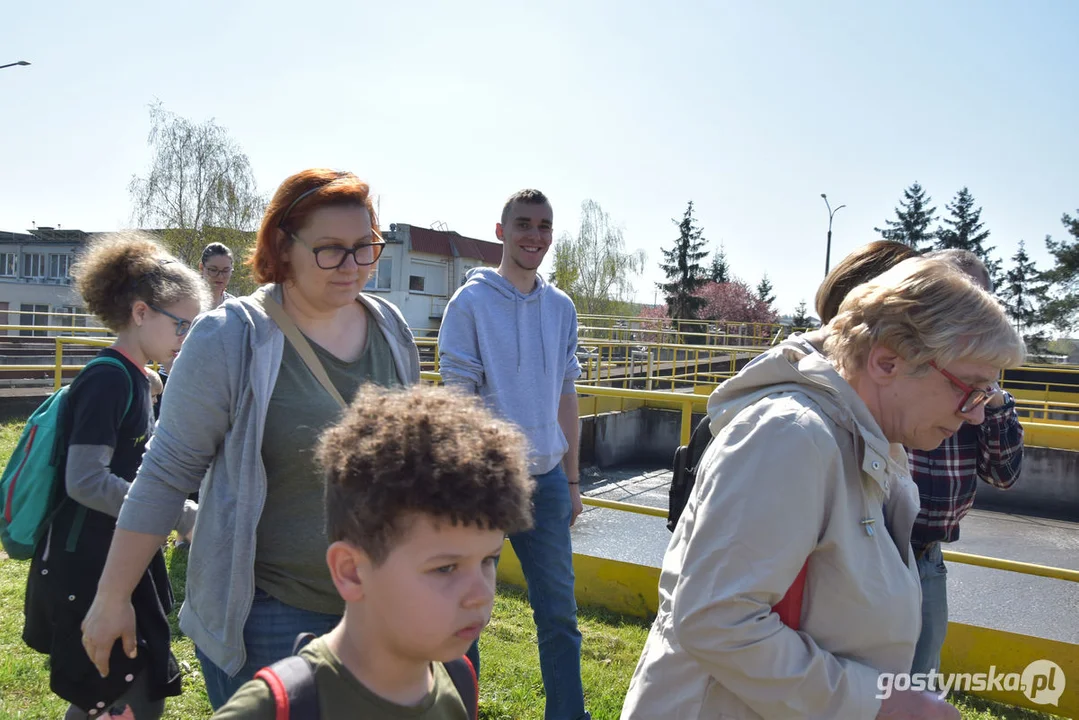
x=199, y=187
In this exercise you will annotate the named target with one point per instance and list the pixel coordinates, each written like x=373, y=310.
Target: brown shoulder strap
x=279, y=316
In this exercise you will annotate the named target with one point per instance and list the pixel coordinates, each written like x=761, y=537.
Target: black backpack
x=684, y=467
x=292, y=682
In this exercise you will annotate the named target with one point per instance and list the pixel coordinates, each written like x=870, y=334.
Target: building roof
x=453, y=244
x=44, y=235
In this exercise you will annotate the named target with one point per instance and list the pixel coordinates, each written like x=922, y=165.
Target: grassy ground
x=511, y=687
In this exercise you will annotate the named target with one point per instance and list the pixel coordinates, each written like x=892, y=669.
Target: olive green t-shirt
x=341, y=695
x=290, y=555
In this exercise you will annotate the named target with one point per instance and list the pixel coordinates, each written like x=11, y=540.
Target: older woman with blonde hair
x=806, y=480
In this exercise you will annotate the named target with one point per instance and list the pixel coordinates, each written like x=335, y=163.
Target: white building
x=420, y=269
x=34, y=277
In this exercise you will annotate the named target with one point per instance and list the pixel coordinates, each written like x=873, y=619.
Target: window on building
x=59, y=265
x=69, y=319
x=31, y=315
x=381, y=278
x=33, y=265
x=9, y=265
x=427, y=277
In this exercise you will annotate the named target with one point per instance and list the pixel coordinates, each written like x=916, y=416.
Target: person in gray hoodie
x=511, y=338
x=241, y=417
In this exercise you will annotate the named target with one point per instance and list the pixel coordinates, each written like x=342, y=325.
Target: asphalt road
x=997, y=599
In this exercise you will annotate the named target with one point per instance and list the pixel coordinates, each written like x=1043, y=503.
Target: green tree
x=964, y=230
x=720, y=272
x=685, y=276
x=594, y=268
x=764, y=291
x=563, y=272
x=198, y=179
x=1062, y=310
x=1023, y=294
x=801, y=317
x=913, y=219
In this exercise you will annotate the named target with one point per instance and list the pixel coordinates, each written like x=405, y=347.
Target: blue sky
x=750, y=109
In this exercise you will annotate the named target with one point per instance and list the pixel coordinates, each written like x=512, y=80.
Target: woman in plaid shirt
x=947, y=480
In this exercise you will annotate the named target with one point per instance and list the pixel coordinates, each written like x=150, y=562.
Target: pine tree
x=912, y=222
x=720, y=271
x=1023, y=294
x=1063, y=309
x=801, y=317
x=764, y=291
x=684, y=273
x=966, y=231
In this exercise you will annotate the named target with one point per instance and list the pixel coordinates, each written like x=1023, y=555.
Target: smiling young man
x=511, y=338
x=947, y=477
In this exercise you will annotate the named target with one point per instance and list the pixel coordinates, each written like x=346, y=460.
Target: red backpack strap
x=468, y=686
x=292, y=682
x=789, y=608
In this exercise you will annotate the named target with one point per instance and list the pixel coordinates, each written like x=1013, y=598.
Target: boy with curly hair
x=422, y=487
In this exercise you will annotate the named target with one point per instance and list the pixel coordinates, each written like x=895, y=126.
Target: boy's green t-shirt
x=341, y=695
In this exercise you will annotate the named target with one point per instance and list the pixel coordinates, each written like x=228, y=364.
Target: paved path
x=978, y=596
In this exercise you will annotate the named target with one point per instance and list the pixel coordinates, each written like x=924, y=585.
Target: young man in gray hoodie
x=511, y=338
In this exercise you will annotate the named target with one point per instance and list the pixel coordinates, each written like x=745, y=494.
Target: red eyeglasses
x=972, y=397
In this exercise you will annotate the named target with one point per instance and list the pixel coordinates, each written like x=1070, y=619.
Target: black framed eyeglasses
x=972, y=397
x=331, y=257
x=182, y=326
x=218, y=272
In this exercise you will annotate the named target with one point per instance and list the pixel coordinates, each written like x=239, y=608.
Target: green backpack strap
x=80, y=512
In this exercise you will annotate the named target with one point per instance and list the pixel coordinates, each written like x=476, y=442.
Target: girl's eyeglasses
x=182, y=326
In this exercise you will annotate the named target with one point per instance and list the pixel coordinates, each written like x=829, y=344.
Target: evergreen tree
x=764, y=291
x=720, y=271
x=801, y=317
x=912, y=222
x=1062, y=310
x=682, y=266
x=966, y=230
x=1023, y=294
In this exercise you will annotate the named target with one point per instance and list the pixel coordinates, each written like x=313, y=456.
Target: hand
x=575, y=503
x=109, y=618
x=916, y=705
x=998, y=399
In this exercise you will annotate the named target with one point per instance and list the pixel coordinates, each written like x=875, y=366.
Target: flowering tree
x=734, y=302
x=655, y=320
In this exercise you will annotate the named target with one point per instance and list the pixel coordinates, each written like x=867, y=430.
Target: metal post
x=828, y=251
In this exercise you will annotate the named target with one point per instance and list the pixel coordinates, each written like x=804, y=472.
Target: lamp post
x=828, y=251
x=21, y=62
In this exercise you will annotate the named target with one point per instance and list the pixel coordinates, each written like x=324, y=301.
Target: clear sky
x=751, y=109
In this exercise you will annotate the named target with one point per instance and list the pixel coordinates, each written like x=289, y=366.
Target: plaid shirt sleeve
x=947, y=477
x=1000, y=445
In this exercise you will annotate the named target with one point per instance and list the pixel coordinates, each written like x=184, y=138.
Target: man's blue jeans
x=546, y=556
x=269, y=635
x=934, y=578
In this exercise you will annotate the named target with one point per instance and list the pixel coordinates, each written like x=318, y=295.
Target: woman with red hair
x=259, y=378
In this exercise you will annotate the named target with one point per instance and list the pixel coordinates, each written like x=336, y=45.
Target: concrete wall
x=1048, y=486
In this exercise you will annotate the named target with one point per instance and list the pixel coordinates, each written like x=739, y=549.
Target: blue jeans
x=269, y=635
x=934, y=578
x=546, y=556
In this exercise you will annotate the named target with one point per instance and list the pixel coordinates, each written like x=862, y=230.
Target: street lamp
x=21, y=62
x=831, y=212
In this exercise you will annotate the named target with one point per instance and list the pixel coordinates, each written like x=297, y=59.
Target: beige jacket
x=797, y=466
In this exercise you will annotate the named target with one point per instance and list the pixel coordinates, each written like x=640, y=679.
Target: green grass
x=511, y=687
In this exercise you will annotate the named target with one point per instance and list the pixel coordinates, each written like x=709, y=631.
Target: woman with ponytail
x=149, y=299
